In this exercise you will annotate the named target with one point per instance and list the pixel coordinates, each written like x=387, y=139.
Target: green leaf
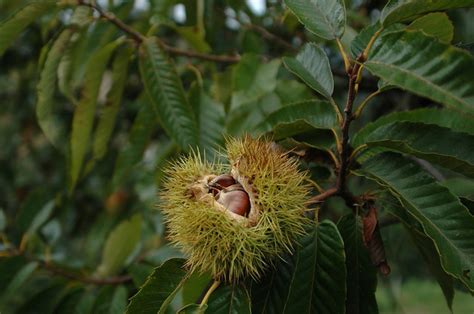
x=313, y=280
x=361, y=274
x=443, y=218
x=13, y=26
x=110, y=110
x=325, y=18
x=362, y=39
x=455, y=120
x=437, y=25
x=312, y=66
x=424, y=66
x=424, y=245
x=430, y=142
x=194, y=286
x=299, y=118
x=85, y=110
x=252, y=80
x=161, y=285
x=405, y=10
x=120, y=243
x=193, y=309
x=50, y=123
x=229, y=299
x=138, y=138
x=211, y=119
x=165, y=92
x=17, y=282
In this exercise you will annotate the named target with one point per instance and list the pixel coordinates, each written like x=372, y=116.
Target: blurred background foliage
x=90, y=249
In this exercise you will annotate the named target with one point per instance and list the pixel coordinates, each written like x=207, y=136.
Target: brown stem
x=269, y=36
x=90, y=280
x=323, y=196
x=138, y=38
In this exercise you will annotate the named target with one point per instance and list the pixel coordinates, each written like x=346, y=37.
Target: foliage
x=374, y=98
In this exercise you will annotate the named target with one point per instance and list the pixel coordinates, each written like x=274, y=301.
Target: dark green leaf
x=164, y=282
x=112, y=105
x=361, y=274
x=312, y=66
x=45, y=107
x=13, y=26
x=425, y=246
x=311, y=281
x=430, y=142
x=252, y=80
x=444, y=219
x=455, y=120
x=404, y=10
x=229, y=299
x=119, y=245
x=424, y=66
x=325, y=18
x=437, y=25
x=166, y=93
x=299, y=118
x=193, y=309
x=140, y=133
x=211, y=119
x=85, y=110
x=362, y=39
x=194, y=287
x=17, y=282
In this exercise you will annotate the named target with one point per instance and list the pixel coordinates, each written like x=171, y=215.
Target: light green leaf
x=196, y=39
x=443, y=218
x=85, y=110
x=312, y=66
x=165, y=92
x=13, y=26
x=361, y=274
x=362, y=39
x=110, y=110
x=229, y=299
x=120, y=243
x=45, y=106
x=437, y=25
x=430, y=142
x=426, y=67
x=405, y=10
x=424, y=245
x=299, y=118
x=161, y=285
x=325, y=18
x=455, y=120
x=313, y=280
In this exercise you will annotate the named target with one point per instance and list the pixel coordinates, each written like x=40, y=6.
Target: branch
x=269, y=36
x=135, y=35
x=323, y=196
x=139, y=38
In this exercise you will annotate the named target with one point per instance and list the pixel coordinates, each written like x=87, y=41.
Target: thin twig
x=323, y=196
x=214, y=286
x=139, y=38
x=135, y=35
x=269, y=36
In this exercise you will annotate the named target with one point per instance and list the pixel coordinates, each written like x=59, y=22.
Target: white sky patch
x=258, y=7
x=179, y=13
x=141, y=5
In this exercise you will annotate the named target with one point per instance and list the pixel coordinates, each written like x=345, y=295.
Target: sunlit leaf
x=437, y=25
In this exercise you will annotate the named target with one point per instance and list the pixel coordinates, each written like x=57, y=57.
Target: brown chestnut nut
x=235, y=199
x=220, y=182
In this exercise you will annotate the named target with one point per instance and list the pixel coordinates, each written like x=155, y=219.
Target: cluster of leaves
x=118, y=93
